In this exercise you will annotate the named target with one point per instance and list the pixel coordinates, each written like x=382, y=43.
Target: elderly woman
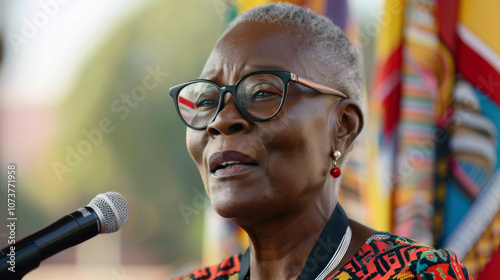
x=270, y=122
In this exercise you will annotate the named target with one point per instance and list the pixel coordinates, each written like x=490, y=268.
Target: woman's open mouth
x=228, y=163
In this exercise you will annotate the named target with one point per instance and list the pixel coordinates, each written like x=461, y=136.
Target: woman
x=270, y=123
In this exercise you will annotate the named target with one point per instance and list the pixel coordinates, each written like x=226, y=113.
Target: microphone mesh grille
x=114, y=209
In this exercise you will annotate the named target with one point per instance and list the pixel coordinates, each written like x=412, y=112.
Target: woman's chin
x=231, y=209
x=235, y=201
x=248, y=213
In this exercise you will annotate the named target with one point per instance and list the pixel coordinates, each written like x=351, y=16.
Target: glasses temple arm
x=316, y=86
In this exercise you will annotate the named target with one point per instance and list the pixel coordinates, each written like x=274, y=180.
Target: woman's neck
x=279, y=250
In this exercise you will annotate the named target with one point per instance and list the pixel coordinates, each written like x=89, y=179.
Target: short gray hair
x=331, y=50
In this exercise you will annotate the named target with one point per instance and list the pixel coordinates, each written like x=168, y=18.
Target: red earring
x=335, y=171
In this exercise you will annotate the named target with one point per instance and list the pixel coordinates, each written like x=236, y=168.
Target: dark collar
x=322, y=252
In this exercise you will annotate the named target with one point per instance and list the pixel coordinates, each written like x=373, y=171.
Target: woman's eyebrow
x=262, y=67
x=210, y=75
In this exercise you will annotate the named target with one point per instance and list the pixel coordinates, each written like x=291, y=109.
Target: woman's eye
x=265, y=91
x=264, y=94
x=207, y=100
x=206, y=103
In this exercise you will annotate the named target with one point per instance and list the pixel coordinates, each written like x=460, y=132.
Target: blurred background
x=85, y=109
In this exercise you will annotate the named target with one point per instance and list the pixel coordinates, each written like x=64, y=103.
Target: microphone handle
x=68, y=231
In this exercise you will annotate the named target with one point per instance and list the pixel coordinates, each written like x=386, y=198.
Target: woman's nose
x=229, y=120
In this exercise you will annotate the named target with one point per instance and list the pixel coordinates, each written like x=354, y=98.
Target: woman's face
x=263, y=170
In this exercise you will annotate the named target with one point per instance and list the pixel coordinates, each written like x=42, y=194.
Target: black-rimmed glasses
x=259, y=96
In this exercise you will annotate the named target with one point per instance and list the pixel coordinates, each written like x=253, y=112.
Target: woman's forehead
x=256, y=46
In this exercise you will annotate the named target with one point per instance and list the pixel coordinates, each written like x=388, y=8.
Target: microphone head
x=112, y=209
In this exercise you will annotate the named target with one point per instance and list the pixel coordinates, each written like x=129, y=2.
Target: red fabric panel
x=479, y=72
x=446, y=15
x=391, y=104
x=492, y=268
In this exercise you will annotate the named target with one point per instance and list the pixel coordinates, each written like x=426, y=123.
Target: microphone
x=106, y=213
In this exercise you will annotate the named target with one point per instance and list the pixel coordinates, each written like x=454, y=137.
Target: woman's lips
x=230, y=162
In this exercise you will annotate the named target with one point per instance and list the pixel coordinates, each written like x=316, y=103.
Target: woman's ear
x=349, y=124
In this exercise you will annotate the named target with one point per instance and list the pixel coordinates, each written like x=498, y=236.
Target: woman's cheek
x=195, y=145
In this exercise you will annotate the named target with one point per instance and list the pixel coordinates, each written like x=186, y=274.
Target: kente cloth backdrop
x=437, y=88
